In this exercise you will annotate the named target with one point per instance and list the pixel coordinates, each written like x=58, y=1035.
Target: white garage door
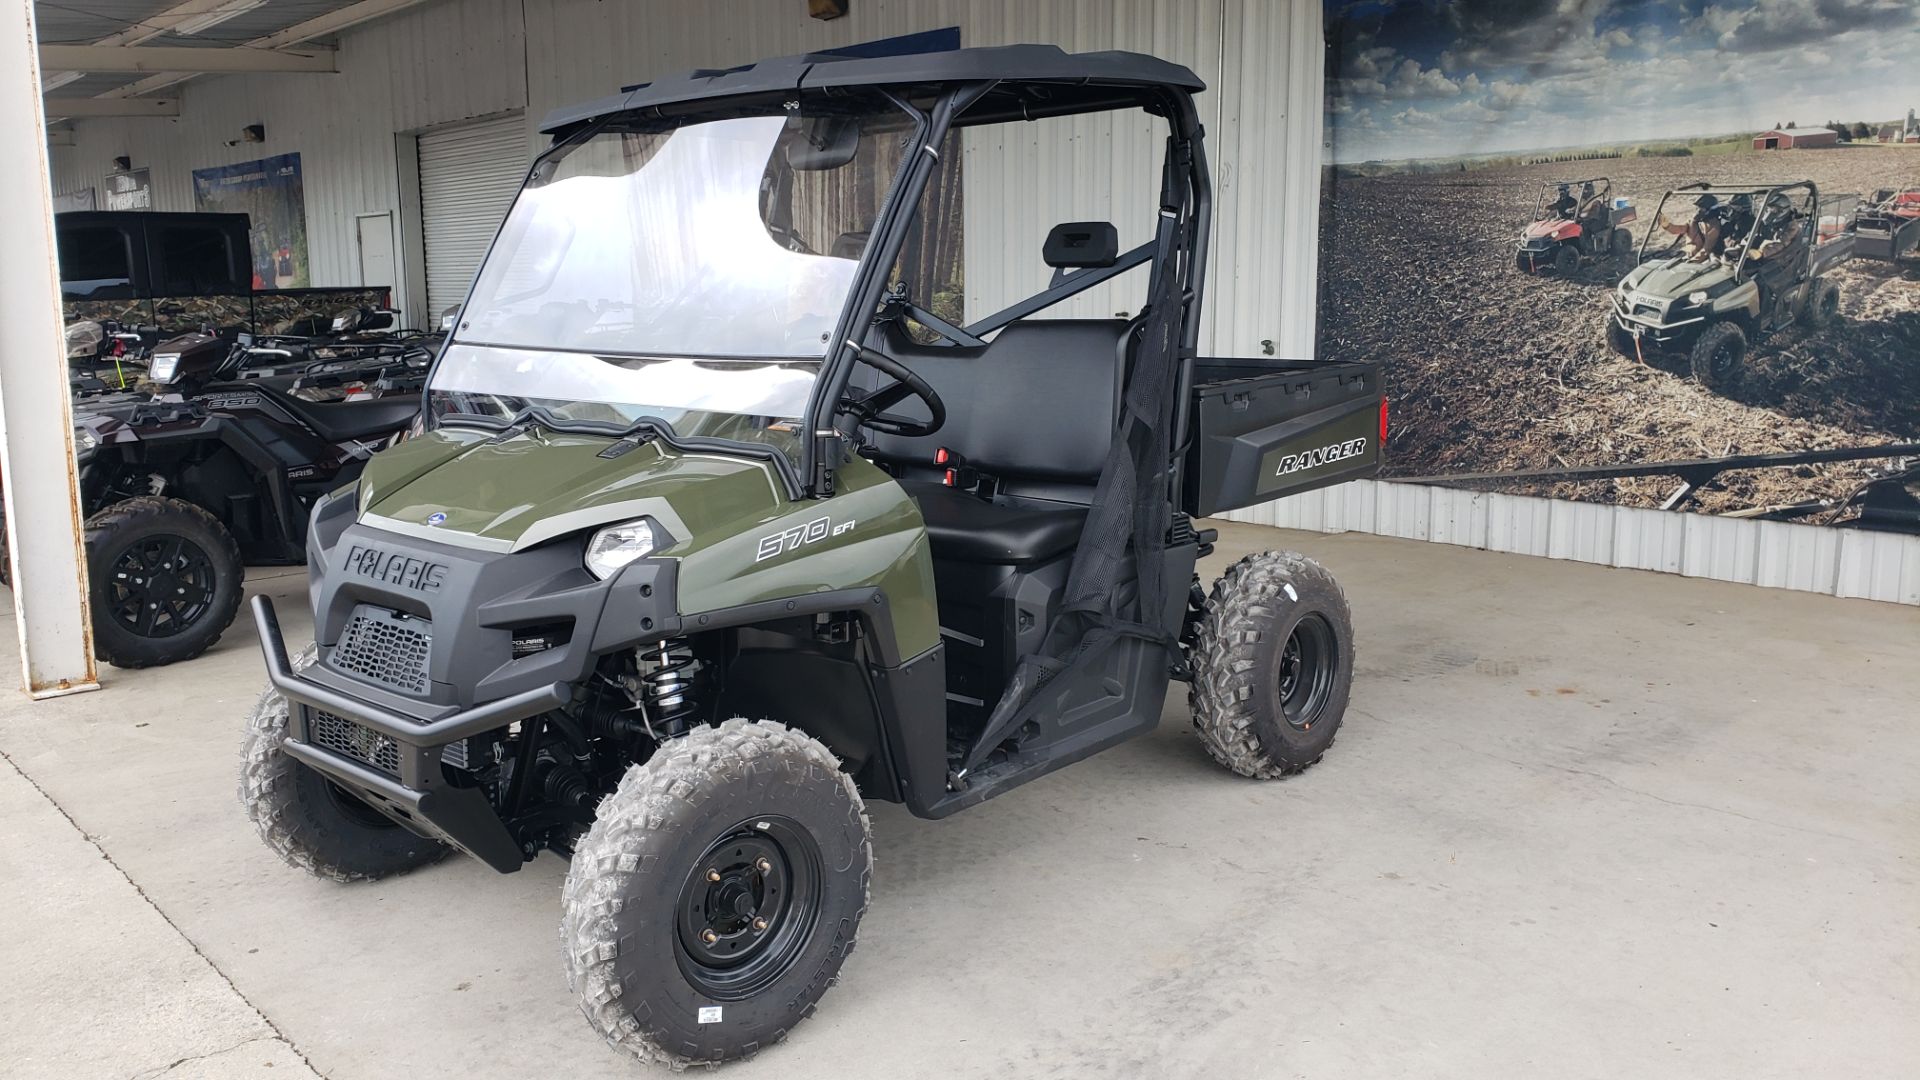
x=468, y=176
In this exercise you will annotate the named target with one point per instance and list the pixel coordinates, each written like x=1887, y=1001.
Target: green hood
x=1669, y=278
x=459, y=486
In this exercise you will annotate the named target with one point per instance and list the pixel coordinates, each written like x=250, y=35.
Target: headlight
x=617, y=545
x=84, y=440
x=1698, y=296
x=161, y=368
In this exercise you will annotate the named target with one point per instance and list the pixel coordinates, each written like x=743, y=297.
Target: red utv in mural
x=1575, y=223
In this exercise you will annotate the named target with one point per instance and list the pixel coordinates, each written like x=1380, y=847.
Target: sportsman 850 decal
x=793, y=539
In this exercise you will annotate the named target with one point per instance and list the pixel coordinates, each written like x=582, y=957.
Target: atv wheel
x=717, y=894
x=1823, y=307
x=307, y=819
x=1718, y=355
x=1622, y=246
x=1619, y=341
x=1272, y=665
x=1565, y=260
x=165, y=581
x=1522, y=262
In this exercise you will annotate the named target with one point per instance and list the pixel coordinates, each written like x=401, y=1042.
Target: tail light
x=1383, y=422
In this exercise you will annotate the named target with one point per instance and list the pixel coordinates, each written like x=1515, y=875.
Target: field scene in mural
x=1609, y=234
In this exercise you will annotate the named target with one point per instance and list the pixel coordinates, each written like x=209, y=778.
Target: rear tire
x=306, y=819
x=164, y=581
x=1823, y=307
x=749, y=832
x=1718, y=356
x=1272, y=665
x=1622, y=246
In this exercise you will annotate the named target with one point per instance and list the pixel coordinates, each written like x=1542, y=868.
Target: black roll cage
x=1603, y=189
x=1759, y=193
x=1186, y=202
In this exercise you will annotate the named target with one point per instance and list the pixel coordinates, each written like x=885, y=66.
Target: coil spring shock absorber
x=669, y=689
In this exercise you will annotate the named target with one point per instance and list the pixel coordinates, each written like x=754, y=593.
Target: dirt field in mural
x=1491, y=369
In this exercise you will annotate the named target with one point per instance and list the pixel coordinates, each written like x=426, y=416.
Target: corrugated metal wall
x=1776, y=554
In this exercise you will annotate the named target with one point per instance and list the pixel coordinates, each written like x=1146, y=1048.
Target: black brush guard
x=420, y=797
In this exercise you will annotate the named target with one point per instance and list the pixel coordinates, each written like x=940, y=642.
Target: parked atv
x=1710, y=304
x=186, y=485
x=104, y=356
x=704, y=544
x=1575, y=223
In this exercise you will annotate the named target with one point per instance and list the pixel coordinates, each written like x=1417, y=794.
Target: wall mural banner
x=269, y=192
x=1645, y=252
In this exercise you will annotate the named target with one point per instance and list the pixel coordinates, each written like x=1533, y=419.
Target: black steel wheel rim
x=748, y=908
x=1723, y=360
x=1307, y=664
x=160, y=586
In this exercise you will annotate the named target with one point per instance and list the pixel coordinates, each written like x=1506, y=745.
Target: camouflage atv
x=715, y=533
x=1765, y=275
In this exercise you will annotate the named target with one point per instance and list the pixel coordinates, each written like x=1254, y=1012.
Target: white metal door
x=376, y=249
x=468, y=176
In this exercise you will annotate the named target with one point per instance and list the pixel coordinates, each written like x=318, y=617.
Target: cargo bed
x=1261, y=428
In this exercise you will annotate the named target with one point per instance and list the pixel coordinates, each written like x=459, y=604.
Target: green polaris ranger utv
x=724, y=521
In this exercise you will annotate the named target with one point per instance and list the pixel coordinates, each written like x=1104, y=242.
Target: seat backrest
x=1040, y=401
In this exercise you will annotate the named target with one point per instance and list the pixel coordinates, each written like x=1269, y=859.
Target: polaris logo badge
x=392, y=568
x=792, y=539
x=1323, y=455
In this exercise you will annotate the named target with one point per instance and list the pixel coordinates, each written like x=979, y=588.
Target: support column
x=45, y=541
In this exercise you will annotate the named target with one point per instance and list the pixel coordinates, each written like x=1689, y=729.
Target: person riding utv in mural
x=1774, y=372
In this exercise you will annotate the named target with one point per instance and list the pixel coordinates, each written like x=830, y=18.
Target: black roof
x=1098, y=74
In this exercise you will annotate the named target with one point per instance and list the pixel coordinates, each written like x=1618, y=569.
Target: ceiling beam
x=331, y=23
x=69, y=108
x=178, y=59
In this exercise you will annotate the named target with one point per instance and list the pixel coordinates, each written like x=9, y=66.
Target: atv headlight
x=84, y=441
x=162, y=367
x=1698, y=296
x=617, y=545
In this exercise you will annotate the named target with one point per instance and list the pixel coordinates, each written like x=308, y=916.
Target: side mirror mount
x=1078, y=245
x=820, y=143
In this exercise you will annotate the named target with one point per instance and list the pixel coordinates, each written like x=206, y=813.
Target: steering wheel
x=866, y=409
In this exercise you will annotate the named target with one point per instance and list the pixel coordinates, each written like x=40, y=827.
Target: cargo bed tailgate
x=1262, y=428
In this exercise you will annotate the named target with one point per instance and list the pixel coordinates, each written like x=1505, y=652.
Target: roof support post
x=45, y=540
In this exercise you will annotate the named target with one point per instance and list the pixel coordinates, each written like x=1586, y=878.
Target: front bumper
x=417, y=793
x=1658, y=330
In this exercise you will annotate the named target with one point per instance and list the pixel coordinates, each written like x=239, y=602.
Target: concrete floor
x=1580, y=823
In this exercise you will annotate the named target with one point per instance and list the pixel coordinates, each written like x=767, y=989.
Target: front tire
x=717, y=894
x=1718, y=356
x=1272, y=665
x=165, y=581
x=1566, y=260
x=1619, y=340
x=309, y=821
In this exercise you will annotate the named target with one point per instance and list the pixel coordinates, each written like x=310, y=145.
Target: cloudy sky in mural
x=1437, y=78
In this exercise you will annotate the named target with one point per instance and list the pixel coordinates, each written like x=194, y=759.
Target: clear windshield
x=692, y=275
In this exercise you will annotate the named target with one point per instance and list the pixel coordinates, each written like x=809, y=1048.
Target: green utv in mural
x=1725, y=266
x=715, y=532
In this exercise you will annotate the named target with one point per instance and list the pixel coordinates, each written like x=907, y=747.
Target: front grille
x=362, y=744
x=1649, y=310
x=386, y=648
